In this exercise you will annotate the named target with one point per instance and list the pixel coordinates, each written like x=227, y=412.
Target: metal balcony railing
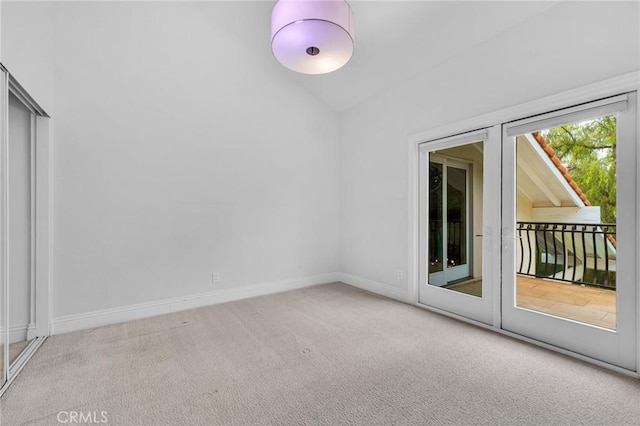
x=578, y=253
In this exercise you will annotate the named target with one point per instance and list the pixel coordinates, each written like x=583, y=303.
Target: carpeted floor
x=326, y=355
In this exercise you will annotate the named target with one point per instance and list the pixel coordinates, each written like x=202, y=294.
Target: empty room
x=319, y=212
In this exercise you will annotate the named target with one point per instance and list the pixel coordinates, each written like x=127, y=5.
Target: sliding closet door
x=4, y=320
x=570, y=223
x=20, y=225
x=24, y=228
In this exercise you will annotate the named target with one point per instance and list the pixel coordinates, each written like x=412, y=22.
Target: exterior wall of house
x=588, y=214
x=524, y=213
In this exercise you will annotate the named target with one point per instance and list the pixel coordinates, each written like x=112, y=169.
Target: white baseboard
x=87, y=320
x=17, y=333
x=375, y=287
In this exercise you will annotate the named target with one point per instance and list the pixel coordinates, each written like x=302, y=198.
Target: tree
x=588, y=150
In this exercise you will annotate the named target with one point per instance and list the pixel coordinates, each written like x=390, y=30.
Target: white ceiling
x=399, y=40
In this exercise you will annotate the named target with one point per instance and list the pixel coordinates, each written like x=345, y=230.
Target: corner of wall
x=377, y=287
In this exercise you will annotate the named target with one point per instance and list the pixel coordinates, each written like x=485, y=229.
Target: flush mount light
x=312, y=36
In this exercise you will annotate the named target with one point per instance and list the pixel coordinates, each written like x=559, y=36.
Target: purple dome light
x=312, y=36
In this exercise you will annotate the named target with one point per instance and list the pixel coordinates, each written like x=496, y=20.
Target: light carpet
x=325, y=355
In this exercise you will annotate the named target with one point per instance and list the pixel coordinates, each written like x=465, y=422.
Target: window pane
x=566, y=221
x=455, y=211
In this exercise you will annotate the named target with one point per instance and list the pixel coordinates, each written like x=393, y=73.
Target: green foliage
x=588, y=150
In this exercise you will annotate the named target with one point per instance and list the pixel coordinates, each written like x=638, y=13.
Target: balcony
x=577, y=253
x=587, y=304
x=563, y=269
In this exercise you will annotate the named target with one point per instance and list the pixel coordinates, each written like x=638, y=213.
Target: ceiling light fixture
x=312, y=36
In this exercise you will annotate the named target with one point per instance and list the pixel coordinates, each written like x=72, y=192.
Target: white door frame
x=610, y=87
x=40, y=316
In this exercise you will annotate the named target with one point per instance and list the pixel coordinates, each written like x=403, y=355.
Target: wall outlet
x=215, y=277
x=400, y=274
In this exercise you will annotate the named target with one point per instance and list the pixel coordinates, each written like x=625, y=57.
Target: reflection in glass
x=456, y=216
x=436, y=258
x=20, y=225
x=455, y=210
x=3, y=337
x=566, y=221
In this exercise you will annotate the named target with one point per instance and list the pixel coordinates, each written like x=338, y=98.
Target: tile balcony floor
x=591, y=305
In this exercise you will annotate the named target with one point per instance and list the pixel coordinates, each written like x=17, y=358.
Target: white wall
x=183, y=148
x=567, y=46
x=26, y=34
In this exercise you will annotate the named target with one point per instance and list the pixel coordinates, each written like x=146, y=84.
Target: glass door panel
x=4, y=329
x=566, y=221
x=565, y=267
x=449, y=204
x=3, y=337
x=453, y=223
x=23, y=310
x=457, y=230
x=21, y=324
x=436, y=205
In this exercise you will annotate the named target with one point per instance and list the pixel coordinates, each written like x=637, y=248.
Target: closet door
x=570, y=229
x=4, y=320
x=20, y=228
x=24, y=229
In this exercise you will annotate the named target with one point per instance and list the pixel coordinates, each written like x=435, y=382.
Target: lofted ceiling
x=398, y=40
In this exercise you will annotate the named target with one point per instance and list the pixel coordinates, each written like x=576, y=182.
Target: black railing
x=578, y=253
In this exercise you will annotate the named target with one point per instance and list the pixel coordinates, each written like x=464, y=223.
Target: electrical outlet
x=400, y=274
x=215, y=277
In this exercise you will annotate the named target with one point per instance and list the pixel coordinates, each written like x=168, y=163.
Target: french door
x=531, y=226
x=569, y=216
x=458, y=221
